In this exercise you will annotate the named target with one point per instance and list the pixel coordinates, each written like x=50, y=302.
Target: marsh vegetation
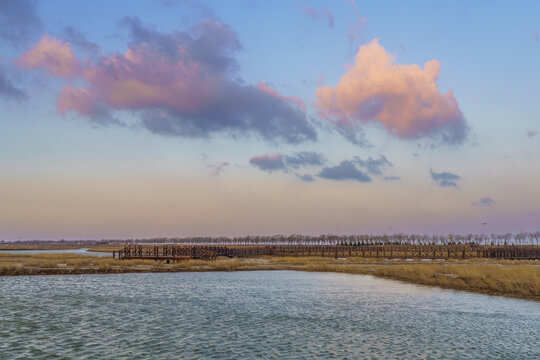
x=497, y=277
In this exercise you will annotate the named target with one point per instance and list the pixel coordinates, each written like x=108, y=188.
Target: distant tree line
x=523, y=238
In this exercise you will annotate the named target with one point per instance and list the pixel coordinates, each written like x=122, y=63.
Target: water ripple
x=266, y=315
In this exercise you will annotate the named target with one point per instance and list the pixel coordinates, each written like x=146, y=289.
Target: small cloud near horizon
x=217, y=169
x=346, y=170
x=277, y=161
x=269, y=162
x=484, y=202
x=305, y=177
x=444, y=179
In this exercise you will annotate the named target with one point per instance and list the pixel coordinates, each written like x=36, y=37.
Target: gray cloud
x=76, y=38
x=305, y=158
x=346, y=170
x=376, y=167
x=444, y=179
x=484, y=202
x=279, y=162
x=210, y=42
x=355, y=135
x=19, y=22
x=8, y=90
x=269, y=162
x=372, y=166
x=235, y=110
x=305, y=177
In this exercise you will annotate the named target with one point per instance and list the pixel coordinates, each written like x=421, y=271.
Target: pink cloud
x=404, y=99
x=52, y=54
x=273, y=92
x=175, y=84
x=532, y=133
x=79, y=99
x=137, y=79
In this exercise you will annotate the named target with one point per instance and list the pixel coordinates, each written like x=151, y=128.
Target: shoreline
x=517, y=279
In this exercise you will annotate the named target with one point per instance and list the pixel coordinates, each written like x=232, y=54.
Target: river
x=257, y=314
x=82, y=251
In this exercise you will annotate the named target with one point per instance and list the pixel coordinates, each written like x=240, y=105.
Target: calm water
x=83, y=251
x=249, y=315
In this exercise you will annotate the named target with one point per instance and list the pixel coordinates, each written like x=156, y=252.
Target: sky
x=170, y=118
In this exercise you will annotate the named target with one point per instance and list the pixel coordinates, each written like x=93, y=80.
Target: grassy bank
x=105, y=248
x=510, y=278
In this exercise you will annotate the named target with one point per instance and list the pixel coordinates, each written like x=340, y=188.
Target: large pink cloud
x=138, y=79
x=404, y=99
x=53, y=54
x=176, y=84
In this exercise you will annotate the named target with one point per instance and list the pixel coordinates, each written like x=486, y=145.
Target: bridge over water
x=211, y=252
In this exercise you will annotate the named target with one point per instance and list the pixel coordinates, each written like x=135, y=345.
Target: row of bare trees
x=523, y=238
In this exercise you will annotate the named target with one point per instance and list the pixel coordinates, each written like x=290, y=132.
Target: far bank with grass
x=519, y=279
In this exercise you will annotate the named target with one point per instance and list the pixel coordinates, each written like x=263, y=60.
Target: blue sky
x=72, y=175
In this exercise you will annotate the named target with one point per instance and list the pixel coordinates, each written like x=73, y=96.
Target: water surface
x=257, y=314
x=82, y=251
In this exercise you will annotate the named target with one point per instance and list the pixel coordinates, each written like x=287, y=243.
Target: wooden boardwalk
x=210, y=252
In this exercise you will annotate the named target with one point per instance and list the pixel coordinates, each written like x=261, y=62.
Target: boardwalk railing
x=183, y=252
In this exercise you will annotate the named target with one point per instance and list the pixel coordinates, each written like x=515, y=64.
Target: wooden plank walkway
x=210, y=252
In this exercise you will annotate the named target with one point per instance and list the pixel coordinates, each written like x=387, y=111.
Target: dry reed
x=510, y=278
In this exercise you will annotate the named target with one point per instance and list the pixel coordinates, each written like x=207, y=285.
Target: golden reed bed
x=519, y=279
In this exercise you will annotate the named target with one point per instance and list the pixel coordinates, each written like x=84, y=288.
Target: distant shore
x=520, y=279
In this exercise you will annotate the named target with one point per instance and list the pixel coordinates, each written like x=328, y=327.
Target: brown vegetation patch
x=510, y=278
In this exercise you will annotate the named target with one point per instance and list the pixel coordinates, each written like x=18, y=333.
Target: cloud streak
x=326, y=14
x=444, y=179
x=269, y=162
x=8, y=90
x=305, y=158
x=76, y=38
x=404, y=99
x=346, y=170
x=374, y=166
x=484, y=202
x=277, y=161
x=218, y=169
x=354, y=33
